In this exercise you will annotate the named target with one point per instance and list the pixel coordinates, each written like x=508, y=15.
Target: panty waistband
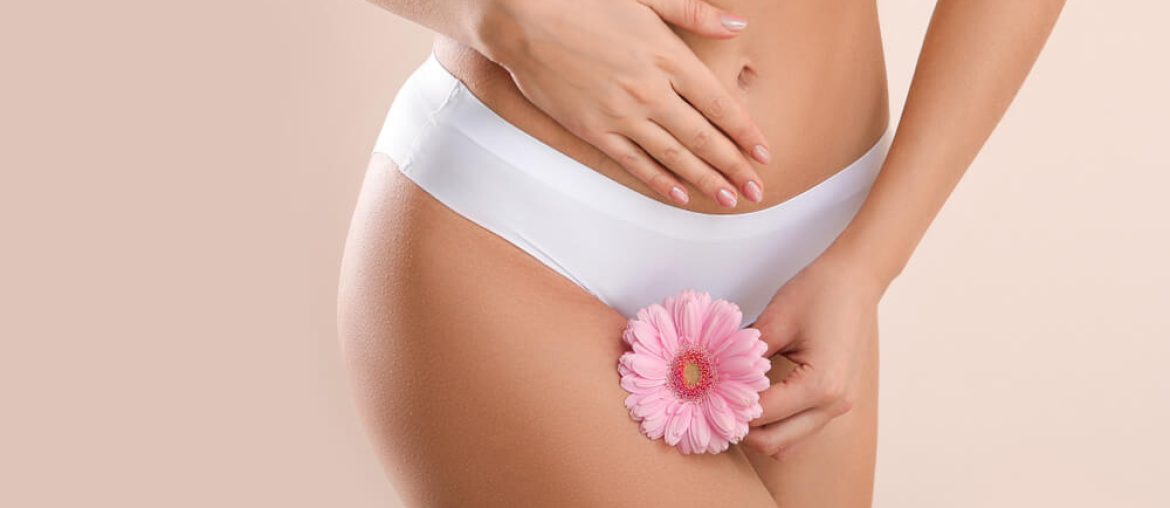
x=433, y=98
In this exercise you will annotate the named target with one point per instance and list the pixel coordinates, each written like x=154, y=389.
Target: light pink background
x=176, y=179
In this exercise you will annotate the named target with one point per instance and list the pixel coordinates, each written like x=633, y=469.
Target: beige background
x=177, y=178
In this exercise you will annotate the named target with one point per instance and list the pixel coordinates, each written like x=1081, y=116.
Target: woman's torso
x=811, y=73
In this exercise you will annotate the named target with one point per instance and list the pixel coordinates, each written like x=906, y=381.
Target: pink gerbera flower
x=694, y=375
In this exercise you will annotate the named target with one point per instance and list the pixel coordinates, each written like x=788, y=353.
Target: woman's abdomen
x=812, y=74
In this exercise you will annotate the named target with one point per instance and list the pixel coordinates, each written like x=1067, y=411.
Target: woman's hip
x=624, y=248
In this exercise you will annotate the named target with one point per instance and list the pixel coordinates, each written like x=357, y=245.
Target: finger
x=781, y=436
x=797, y=392
x=675, y=157
x=634, y=160
x=694, y=82
x=778, y=328
x=699, y=17
x=710, y=144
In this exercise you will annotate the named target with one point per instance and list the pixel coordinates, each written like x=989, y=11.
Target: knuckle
x=716, y=107
x=740, y=169
x=658, y=181
x=671, y=156
x=780, y=452
x=586, y=128
x=629, y=157
x=639, y=91
x=693, y=11
x=742, y=129
x=629, y=126
x=830, y=391
x=845, y=405
x=774, y=447
x=701, y=139
x=667, y=60
x=761, y=446
x=614, y=104
x=710, y=181
x=612, y=110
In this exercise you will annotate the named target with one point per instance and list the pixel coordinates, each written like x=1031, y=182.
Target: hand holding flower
x=823, y=320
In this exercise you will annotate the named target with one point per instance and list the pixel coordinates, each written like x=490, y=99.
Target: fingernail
x=725, y=198
x=733, y=23
x=752, y=191
x=679, y=195
x=761, y=154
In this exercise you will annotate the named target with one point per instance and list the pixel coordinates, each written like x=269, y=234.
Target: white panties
x=626, y=249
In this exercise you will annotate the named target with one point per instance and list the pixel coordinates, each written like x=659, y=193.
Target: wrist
x=857, y=269
x=496, y=30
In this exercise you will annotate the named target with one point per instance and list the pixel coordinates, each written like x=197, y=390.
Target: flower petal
x=704, y=299
x=651, y=404
x=736, y=393
x=699, y=431
x=741, y=430
x=646, y=366
x=739, y=365
x=654, y=426
x=663, y=323
x=739, y=342
x=762, y=365
x=634, y=383
x=689, y=318
x=721, y=320
x=744, y=414
x=718, y=445
x=719, y=416
x=676, y=428
x=643, y=334
x=758, y=383
x=759, y=348
x=634, y=399
x=733, y=365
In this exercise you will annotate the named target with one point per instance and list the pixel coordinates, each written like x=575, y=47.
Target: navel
x=747, y=76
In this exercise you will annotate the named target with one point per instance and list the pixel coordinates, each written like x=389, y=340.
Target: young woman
x=553, y=166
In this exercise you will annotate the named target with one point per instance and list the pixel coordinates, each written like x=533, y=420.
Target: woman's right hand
x=613, y=73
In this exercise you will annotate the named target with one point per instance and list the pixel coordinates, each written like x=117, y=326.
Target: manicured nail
x=733, y=23
x=761, y=154
x=752, y=191
x=725, y=198
x=679, y=195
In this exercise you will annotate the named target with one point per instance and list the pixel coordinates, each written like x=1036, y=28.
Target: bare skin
x=491, y=380
x=527, y=408
x=812, y=75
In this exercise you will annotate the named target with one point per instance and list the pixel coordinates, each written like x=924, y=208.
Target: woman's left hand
x=822, y=320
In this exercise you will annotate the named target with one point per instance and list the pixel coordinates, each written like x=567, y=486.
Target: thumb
x=699, y=17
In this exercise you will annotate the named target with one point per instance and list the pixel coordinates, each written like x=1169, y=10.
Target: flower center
x=691, y=372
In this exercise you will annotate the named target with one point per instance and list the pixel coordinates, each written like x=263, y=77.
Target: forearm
x=975, y=57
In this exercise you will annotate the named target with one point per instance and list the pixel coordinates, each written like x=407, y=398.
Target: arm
x=614, y=74
x=973, y=62
x=974, y=59
x=458, y=19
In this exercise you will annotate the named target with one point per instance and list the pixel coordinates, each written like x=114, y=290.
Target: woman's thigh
x=835, y=466
x=486, y=378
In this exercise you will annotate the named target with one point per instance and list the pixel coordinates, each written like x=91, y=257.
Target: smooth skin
x=975, y=57
x=614, y=75
x=487, y=379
